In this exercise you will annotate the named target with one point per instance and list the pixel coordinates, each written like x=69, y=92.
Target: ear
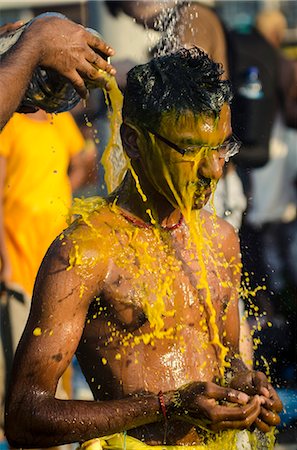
x=130, y=140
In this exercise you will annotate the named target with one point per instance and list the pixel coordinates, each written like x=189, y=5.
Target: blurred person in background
x=270, y=230
x=43, y=158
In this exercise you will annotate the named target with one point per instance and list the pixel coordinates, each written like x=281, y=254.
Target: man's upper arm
x=233, y=257
x=55, y=324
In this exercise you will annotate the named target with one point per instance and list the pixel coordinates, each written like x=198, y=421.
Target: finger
x=11, y=26
x=98, y=44
x=277, y=403
x=242, y=423
x=273, y=404
x=100, y=63
x=261, y=383
x=93, y=76
x=264, y=387
x=269, y=417
x=220, y=413
x=15, y=25
x=264, y=391
x=78, y=84
x=262, y=426
x=221, y=393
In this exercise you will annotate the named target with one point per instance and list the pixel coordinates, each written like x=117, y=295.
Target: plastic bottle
x=252, y=86
x=47, y=89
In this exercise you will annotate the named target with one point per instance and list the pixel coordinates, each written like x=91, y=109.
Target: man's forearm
x=56, y=422
x=16, y=68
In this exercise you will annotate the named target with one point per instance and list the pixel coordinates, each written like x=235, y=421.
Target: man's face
x=188, y=180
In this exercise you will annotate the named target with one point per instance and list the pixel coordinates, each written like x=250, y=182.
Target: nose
x=211, y=166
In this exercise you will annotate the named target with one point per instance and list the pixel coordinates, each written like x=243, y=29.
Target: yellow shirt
x=37, y=192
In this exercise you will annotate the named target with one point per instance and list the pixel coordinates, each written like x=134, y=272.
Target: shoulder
x=96, y=213
x=84, y=249
x=96, y=225
x=223, y=233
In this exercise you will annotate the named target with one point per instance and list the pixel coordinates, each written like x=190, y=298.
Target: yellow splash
x=113, y=159
x=37, y=331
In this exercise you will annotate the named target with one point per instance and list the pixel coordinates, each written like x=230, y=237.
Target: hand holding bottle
x=70, y=49
x=52, y=62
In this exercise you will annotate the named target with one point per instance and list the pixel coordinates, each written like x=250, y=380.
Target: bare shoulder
x=223, y=234
x=95, y=223
x=78, y=258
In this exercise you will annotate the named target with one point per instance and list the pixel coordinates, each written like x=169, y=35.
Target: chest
x=166, y=280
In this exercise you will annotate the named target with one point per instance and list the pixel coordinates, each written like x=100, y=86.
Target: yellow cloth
x=37, y=192
x=119, y=441
x=226, y=440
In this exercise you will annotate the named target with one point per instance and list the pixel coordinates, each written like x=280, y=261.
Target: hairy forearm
x=16, y=68
x=52, y=422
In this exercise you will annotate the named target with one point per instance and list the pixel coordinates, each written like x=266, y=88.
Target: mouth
x=207, y=193
x=204, y=183
x=201, y=198
x=204, y=188
x=203, y=193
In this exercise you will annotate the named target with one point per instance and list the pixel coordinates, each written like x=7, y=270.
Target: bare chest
x=164, y=277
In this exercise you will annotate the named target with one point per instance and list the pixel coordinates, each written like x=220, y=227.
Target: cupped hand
x=253, y=383
x=220, y=408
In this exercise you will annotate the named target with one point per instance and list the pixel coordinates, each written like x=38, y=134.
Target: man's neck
x=145, y=203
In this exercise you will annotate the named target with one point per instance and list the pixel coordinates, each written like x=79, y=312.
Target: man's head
x=178, y=99
x=187, y=80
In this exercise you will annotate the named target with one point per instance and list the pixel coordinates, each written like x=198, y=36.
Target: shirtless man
x=53, y=42
x=150, y=310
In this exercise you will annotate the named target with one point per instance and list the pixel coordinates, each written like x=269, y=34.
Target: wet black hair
x=186, y=80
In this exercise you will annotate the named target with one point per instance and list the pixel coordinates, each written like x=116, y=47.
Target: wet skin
x=122, y=260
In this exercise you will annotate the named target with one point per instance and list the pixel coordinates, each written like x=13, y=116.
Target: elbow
x=18, y=425
x=16, y=431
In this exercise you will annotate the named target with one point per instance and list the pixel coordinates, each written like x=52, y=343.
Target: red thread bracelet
x=162, y=405
x=163, y=409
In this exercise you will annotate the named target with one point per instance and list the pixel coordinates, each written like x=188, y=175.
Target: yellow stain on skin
x=37, y=331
